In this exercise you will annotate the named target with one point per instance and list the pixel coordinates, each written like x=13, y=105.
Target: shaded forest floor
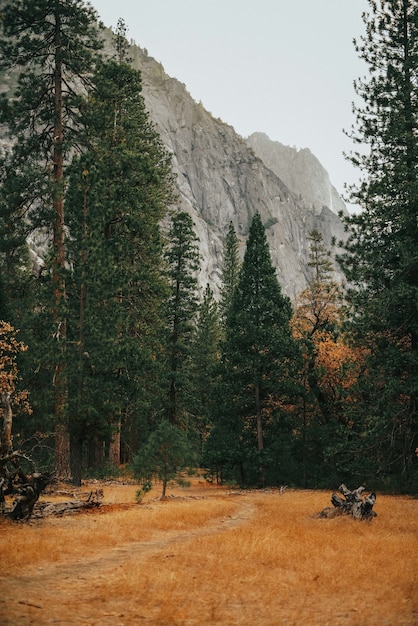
x=209, y=555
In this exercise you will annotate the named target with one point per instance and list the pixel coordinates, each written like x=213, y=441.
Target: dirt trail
x=64, y=593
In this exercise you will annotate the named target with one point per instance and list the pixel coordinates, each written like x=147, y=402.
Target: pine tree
x=183, y=261
x=52, y=43
x=258, y=358
x=230, y=271
x=166, y=452
x=381, y=260
x=204, y=363
x=119, y=192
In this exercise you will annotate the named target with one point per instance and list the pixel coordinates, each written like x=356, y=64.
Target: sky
x=282, y=67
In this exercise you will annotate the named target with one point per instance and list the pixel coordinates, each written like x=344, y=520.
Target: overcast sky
x=282, y=67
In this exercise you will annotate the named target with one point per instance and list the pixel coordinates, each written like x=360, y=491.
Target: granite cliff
x=223, y=177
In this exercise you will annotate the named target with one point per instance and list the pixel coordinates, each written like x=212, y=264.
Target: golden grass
x=253, y=559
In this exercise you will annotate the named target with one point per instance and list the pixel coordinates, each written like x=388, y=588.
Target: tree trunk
x=260, y=439
x=6, y=446
x=62, y=452
x=76, y=460
x=60, y=391
x=114, y=448
x=92, y=501
x=96, y=453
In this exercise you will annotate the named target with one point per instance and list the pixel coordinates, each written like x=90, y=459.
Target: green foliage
x=257, y=383
x=230, y=271
x=52, y=45
x=166, y=453
x=118, y=194
x=40, y=38
x=145, y=488
x=204, y=364
x=182, y=262
x=381, y=259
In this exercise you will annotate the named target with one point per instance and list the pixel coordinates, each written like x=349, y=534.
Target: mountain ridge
x=222, y=177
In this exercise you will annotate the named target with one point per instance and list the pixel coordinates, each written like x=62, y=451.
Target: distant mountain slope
x=221, y=177
x=301, y=171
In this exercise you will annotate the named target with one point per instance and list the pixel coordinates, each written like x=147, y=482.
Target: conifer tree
x=230, y=271
x=119, y=192
x=205, y=362
x=381, y=260
x=258, y=359
x=183, y=262
x=317, y=315
x=51, y=44
x=166, y=452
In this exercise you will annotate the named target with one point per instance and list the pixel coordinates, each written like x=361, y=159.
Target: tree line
x=127, y=361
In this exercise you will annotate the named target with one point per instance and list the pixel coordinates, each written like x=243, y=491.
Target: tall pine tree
x=119, y=192
x=204, y=363
x=381, y=253
x=52, y=45
x=230, y=271
x=258, y=361
x=183, y=262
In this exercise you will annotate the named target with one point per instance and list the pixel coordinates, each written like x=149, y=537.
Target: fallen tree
x=353, y=503
x=92, y=500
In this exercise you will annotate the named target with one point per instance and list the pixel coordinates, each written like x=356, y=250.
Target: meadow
x=210, y=555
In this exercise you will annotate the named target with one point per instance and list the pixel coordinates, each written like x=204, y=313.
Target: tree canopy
x=380, y=259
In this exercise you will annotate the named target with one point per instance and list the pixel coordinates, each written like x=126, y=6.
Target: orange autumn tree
x=330, y=364
x=11, y=397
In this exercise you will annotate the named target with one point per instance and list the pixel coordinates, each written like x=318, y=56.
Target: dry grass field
x=212, y=556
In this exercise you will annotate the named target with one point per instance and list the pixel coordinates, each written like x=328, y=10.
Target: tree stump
x=352, y=503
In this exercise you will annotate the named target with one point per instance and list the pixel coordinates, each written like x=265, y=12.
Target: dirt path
x=64, y=593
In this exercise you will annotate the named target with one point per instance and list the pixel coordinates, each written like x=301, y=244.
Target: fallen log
x=352, y=503
x=93, y=500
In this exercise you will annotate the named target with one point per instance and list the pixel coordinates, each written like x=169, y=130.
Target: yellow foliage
x=10, y=347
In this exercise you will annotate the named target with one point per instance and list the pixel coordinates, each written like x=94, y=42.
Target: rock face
x=301, y=171
x=221, y=177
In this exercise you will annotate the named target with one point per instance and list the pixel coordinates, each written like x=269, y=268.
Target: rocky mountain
x=301, y=171
x=223, y=177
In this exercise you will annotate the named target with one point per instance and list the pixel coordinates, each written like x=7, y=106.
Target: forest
x=113, y=358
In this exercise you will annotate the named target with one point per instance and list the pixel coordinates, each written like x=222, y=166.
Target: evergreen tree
x=52, y=43
x=257, y=365
x=166, y=452
x=205, y=362
x=381, y=260
x=230, y=271
x=182, y=259
x=119, y=191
